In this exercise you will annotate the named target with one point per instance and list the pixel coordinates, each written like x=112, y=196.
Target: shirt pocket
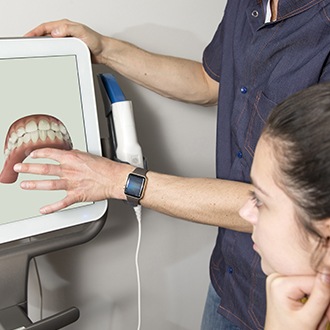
x=260, y=111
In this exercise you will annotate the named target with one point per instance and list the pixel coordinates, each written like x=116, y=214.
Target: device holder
x=122, y=145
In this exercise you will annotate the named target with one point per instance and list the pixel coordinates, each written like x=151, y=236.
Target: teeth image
x=63, y=129
x=43, y=135
x=19, y=142
x=20, y=132
x=51, y=135
x=43, y=125
x=31, y=126
x=34, y=136
x=59, y=135
x=70, y=142
x=13, y=138
x=7, y=152
x=54, y=126
x=10, y=145
x=27, y=138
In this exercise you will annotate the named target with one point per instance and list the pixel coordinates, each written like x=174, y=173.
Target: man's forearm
x=203, y=200
x=172, y=77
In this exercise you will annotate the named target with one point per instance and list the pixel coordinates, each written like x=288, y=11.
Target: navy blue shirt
x=257, y=65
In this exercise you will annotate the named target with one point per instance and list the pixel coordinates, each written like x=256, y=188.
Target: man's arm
x=173, y=77
x=208, y=201
x=203, y=200
x=87, y=177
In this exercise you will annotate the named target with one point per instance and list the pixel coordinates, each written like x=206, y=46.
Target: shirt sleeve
x=212, y=56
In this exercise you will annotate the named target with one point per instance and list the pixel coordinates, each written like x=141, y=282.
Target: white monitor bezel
x=45, y=47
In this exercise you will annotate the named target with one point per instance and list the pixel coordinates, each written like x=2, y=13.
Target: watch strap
x=140, y=171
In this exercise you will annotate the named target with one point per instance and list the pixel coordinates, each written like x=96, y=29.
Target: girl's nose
x=249, y=212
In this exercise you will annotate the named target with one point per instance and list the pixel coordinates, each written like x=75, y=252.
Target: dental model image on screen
x=47, y=100
x=41, y=107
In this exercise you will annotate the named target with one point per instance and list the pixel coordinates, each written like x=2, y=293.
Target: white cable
x=138, y=214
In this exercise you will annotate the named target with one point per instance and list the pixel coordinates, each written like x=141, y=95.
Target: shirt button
x=240, y=154
x=243, y=90
x=230, y=270
x=255, y=13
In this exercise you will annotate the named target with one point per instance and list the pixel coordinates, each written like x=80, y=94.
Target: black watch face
x=134, y=185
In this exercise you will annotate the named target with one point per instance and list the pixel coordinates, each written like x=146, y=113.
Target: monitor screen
x=47, y=100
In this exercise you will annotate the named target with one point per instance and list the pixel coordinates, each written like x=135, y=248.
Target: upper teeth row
x=34, y=131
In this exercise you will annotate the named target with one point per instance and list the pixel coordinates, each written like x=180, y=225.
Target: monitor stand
x=14, y=266
x=15, y=258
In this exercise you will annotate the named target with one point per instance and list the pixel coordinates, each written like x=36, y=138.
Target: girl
x=289, y=209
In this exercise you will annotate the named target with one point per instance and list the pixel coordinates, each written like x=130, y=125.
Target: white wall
x=99, y=277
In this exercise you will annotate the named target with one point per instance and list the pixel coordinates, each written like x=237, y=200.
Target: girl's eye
x=255, y=200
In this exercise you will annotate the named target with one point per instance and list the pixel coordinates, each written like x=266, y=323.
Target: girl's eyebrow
x=259, y=188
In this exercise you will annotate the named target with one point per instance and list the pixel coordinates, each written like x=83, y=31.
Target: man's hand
x=85, y=177
x=66, y=28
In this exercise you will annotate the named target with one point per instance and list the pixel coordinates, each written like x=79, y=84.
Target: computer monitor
x=46, y=100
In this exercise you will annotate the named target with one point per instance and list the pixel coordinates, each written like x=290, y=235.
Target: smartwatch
x=135, y=185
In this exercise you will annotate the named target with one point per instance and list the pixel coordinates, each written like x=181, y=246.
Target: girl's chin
x=266, y=269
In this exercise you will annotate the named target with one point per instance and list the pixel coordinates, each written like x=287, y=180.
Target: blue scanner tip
x=114, y=91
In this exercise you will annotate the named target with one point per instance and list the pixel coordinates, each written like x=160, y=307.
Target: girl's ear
x=326, y=258
x=320, y=257
x=324, y=230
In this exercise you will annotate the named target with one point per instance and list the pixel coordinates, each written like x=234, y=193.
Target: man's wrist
x=135, y=186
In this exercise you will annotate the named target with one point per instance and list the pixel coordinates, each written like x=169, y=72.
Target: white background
x=99, y=277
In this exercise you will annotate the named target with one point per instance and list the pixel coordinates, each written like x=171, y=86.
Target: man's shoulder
x=325, y=10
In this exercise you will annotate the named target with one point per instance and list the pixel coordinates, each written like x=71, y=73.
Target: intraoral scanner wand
x=127, y=148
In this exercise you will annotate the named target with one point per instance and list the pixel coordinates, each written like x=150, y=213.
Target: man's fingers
x=50, y=153
x=41, y=169
x=44, y=185
x=49, y=29
x=65, y=202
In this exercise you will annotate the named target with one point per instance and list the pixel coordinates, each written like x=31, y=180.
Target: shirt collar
x=287, y=8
